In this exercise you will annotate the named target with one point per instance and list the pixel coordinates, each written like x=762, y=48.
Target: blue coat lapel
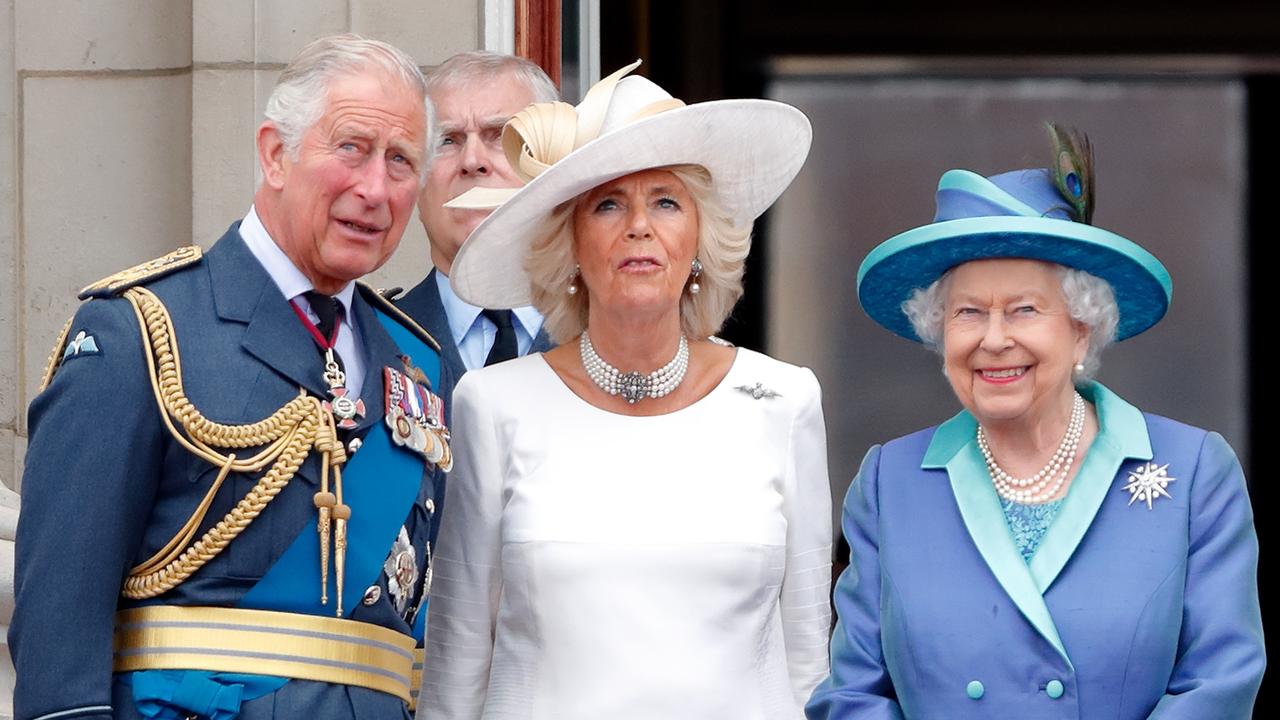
x=955, y=448
x=243, y=292
x=1122, y=435
x=379, y=351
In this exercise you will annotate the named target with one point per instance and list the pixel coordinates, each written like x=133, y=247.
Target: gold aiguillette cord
x=332, y=513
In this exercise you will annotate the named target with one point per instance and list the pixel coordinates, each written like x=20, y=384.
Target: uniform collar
x=281, y=269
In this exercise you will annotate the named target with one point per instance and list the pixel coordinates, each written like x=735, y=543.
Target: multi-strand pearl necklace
x=633, y=386
x=1046, y=483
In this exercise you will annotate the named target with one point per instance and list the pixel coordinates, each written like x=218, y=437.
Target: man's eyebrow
x=495, y=122
x=408, y=147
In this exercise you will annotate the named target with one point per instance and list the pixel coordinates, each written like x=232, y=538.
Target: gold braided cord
x=55, y=357
x=288, y=435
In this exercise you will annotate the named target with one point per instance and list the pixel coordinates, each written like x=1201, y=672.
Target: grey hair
x=722, y=250
x=301, y=93
x=1090, y=301
x=482, y=66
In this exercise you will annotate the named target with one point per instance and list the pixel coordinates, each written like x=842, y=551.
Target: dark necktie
x=328, y=310
x=504, y=345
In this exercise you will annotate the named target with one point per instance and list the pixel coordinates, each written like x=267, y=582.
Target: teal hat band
x=1015, y=215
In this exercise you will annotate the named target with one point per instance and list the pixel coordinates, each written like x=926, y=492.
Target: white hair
x=1090, y=301
x=481, y=66
x=301, y=93
x=722, y=250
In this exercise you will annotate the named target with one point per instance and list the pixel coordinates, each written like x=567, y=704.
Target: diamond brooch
x=1148, y=482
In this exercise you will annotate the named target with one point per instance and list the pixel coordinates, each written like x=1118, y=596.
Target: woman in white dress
x=637, y=524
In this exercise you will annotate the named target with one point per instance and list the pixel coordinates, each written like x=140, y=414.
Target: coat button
x=430, y=505
x=975, y=690
x=354, y=445
x=372, y=595
x=1053, y=689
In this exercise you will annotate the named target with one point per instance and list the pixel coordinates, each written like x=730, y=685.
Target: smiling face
x=1009, y=342
x=634, y=239
x=339, y=209
x=470, y=119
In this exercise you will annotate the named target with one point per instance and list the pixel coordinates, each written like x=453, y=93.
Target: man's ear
x=271, y=155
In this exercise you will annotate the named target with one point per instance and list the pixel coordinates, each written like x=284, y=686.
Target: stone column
x=126, y=130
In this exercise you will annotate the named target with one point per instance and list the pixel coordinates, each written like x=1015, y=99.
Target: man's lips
x=362, y=227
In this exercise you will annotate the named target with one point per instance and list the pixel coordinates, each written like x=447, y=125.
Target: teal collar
x=1122, y=434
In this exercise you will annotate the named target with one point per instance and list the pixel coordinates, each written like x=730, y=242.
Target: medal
x=346, y=411
x=401, y=568
x=415, y=417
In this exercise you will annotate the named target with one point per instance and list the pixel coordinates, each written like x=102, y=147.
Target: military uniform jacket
x=106, y=484
x=1124, y=612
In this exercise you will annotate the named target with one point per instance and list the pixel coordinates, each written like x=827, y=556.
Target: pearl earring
x=696, y=267
x=573, y=281
x=1078, y=368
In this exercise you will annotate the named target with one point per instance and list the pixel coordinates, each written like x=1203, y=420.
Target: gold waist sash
x=261, y=642
x=419, y=659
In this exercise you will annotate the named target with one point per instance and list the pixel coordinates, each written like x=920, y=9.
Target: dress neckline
x=563, y=387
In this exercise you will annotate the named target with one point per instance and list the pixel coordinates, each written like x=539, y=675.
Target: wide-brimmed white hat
x=752, y=148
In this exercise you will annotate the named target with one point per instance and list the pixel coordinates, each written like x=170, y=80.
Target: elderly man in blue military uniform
x=232, y=465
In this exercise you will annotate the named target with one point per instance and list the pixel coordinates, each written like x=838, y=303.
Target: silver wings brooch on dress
x=759, y=391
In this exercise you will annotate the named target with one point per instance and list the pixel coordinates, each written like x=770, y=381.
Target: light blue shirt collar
x=292, y=283
x=474, y=335
x=283, y=272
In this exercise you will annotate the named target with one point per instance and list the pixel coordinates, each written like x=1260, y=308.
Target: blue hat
x=1017, y=214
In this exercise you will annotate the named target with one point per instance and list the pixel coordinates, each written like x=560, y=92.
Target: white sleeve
x=806, y=584
x=467, y=579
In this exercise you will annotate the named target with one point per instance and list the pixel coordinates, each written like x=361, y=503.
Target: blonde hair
x=722, y=250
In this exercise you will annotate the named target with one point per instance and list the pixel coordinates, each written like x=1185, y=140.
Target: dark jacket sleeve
x=92, y=468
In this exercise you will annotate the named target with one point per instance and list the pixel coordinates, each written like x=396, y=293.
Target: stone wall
x=126, y=130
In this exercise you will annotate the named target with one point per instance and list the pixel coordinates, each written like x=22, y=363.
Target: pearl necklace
x=633, y=386
x=1046, y=483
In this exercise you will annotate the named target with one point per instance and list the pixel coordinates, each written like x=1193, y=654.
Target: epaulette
x=375, y=298
x=113, y=285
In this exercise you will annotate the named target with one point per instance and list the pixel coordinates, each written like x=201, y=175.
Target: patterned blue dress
x=1029, y=523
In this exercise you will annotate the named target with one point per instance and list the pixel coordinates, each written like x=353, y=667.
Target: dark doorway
x=715, y=49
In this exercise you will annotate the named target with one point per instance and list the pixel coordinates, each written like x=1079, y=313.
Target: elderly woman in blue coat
x=1051, y=551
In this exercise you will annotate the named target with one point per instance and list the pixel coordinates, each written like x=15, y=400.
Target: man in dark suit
x=471, y=96
x=232, y=466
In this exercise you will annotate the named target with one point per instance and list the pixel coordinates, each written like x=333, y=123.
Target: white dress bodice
x=598, y=565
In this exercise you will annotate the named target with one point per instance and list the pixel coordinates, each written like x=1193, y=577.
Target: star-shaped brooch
x=1147, y=482
x=759, y=391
